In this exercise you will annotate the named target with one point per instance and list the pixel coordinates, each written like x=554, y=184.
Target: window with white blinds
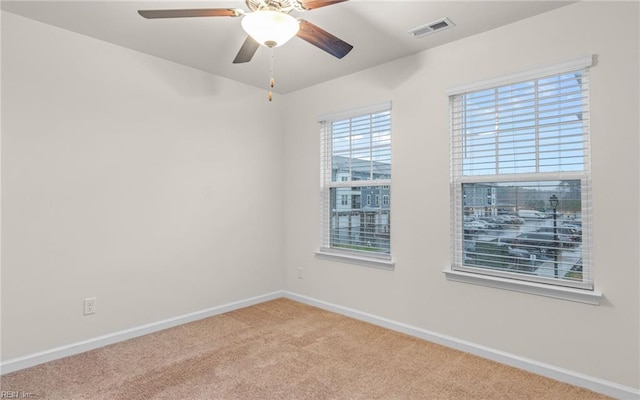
x=355, y=175
x=520, y=178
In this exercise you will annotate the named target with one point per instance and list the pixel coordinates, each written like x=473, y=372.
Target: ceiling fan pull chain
x=272, y=81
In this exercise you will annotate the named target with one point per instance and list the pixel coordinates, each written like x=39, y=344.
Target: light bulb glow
x=270, y=28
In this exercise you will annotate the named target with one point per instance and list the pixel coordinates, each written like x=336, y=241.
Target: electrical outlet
x=300, y=273
x=89, y=306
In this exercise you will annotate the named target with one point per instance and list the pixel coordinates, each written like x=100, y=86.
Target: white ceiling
x=376, y=29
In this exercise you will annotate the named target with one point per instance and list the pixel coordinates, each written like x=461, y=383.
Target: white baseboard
x=560, y=374
x=597, y=385
x=31, y=360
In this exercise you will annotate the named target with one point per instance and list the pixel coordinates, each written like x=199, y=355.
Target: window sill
x=374, y=262
x=558, y=292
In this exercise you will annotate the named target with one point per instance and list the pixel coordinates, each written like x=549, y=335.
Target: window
x=356, y=146
x=520, y=177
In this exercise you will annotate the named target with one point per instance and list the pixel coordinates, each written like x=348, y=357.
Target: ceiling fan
x=270, y=24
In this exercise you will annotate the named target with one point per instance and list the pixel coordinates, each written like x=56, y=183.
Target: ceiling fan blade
x=323, y=39
x=203, y=12
x=311, y=4
x=248, y=49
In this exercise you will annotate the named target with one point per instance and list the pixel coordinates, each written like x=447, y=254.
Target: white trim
x=380, y=263
x=31, y=360
x=550, y=371
x=385, y=106
x=568, y=66
x=524, y=177
x=592, y=297
x=349, y=184
x=574, y=378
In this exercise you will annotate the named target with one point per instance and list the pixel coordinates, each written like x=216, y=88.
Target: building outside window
x=356, y=162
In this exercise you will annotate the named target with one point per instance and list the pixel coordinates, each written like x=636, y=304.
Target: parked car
x=566, y=234
x=473, y=226
x=499, y=255
x=532, y=214
x=510, y=219
x=540, y=244
x=491, y=222
x=573, y=225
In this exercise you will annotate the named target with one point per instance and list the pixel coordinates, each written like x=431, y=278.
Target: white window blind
x=515, y=148
x=356, y=167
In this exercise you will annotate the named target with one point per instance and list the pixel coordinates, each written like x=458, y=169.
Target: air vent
x=432, y=27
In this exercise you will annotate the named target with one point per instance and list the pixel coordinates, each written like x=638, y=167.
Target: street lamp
x=553, y=201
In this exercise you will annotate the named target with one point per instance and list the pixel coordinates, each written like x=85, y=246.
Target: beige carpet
x=281, y=349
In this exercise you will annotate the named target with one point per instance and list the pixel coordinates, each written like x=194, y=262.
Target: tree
x=570, y=194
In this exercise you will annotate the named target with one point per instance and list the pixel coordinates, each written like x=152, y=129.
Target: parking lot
x=524, y=253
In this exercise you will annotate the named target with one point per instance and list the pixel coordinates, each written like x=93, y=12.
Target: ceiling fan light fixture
x=270, y=28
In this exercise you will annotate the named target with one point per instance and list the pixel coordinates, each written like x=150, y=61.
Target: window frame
x=457, y=271
x=325, y=250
